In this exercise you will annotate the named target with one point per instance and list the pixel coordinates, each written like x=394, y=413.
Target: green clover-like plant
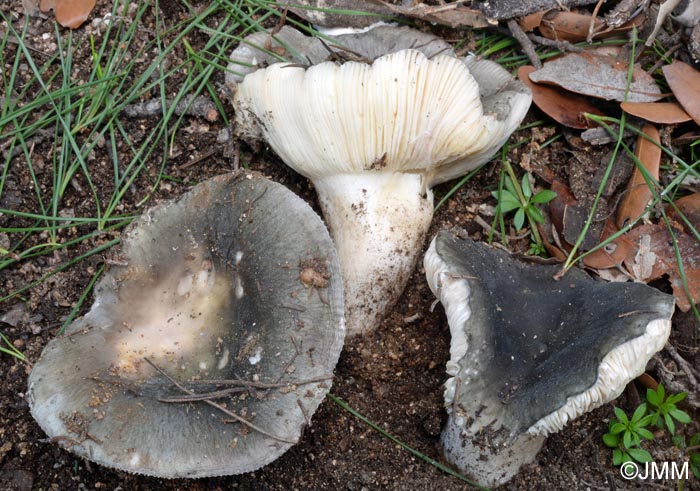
x=625, y=435
x=665, y=412
x=522, y=201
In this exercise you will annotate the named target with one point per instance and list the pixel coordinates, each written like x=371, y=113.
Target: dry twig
x=200, y=106
x=233, y=415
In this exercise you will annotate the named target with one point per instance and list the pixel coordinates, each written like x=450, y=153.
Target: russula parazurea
x=374, y=139
x=528, y=353
x=234, y=292
x=261, y=49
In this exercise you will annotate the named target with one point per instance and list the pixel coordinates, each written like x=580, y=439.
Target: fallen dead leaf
x=686, y=138
x=655, y=257
x=684, y=82
x=567, y=26
x=557, y=207
x=600, y=76
x=689, y=206
x=69, y=13
x=657, y=112
x=638, y=194
x=612, y=254
x=531, y=21
x=563, y=107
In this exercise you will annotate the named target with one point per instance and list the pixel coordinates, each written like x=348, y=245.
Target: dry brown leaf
x=657, y=112
x=686, y=138
x=557, y=207
x=638, y=194
x=69, y=13
x=611, y=254
x=689, y=206
x=532, y=21
x=563, y=107
x=684, y=82
x=655, y=257
x=599, y=76
x=567, y=26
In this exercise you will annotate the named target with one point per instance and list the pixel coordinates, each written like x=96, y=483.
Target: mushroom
x=206, y=350
x=528, y=353
x=374, y=139
x=262, y=48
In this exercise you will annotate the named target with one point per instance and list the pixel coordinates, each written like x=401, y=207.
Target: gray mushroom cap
x=529, y=353
x=260, y=50
x=236, y=281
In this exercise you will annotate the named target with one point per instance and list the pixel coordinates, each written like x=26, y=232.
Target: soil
x=393, y=377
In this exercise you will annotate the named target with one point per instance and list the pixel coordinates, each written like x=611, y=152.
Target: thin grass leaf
x=416, y=453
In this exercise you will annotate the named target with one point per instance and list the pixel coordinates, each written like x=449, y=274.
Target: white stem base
x=378, y=221
x=483, y=455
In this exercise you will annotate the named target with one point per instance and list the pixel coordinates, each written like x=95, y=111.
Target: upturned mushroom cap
x=262, y=49
x=237, y=281
x=403, y=113
x=374, y=139
x=528, y=353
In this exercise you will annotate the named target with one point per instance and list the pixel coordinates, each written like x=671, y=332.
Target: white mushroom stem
x=374, y=139
x=378, y=221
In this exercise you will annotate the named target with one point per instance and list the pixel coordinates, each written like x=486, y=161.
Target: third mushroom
x=528, y=353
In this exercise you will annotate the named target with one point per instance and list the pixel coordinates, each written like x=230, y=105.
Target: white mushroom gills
x=374, y=139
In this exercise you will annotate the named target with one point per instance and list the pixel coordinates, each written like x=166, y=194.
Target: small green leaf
x=646, y=420
x=653, y=398
x=678, y=441
x=640, y=455
x=673, y=399
x=611, y=440
x=544, y=196
x=617, y=428
x=617, y=456
x=519, y=219
x=680, y=416
x=620, y=414
x=535, y=214
x=644, y=433
x=670, y=424
x=525, y=184
x=636, y=441
x=507, y=205
x=627, y=439
x=639, y=413
x=695, y=440
x=510, y=186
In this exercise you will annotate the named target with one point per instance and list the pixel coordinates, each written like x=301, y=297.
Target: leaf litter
x=601, y=76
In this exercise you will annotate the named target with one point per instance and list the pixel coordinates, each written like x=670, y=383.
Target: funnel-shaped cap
x=236, y=283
